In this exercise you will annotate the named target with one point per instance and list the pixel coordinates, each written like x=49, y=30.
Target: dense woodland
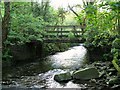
x=24, y=22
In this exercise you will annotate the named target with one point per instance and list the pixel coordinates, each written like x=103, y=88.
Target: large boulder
x=63, y=77
x=86, y=74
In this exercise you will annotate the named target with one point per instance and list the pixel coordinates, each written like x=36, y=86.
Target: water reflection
x=73, y=58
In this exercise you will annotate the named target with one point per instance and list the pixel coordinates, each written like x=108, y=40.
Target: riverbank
x=108, y=79
x=30, y=52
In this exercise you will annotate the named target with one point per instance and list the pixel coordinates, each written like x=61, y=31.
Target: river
x=40, y=74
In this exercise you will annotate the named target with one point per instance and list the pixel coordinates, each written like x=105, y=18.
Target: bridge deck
x=63, y=41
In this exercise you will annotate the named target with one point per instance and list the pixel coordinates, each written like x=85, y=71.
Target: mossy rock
x=86, y=74
x=63, y=77
x=114, y=80
x=114, y=62
x=116, y=43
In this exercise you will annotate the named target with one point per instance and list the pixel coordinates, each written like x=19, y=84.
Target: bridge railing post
x=58, y=31
x=61, y=31
x=74, y=29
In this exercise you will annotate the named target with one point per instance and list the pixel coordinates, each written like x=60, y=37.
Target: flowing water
x=40, y=74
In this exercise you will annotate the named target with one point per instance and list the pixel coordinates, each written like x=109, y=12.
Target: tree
x=82, y=23
x=61, y=14
x=88, y=7
x=41, y=9
x=24, y=26
x=45, y=11
x=5, y=21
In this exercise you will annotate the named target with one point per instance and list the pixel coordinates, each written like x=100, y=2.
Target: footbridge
x=64, y=34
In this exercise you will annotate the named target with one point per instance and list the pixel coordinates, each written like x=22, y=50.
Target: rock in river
x=63, y=77
x=86, y=74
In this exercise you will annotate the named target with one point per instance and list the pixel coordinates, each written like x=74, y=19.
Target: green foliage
x=102, y=27
x=116, y=48
x=61, y=15
x=98, y=39
x=116, y=53
x=29, y=19
x=6, y=55
x=115, y=63
x=1, y=9
x=45, y=11
x=116, y=43
x=71, y=35
x=113, y=6
x=91, y=9
x=28, y=22
x=24, y=27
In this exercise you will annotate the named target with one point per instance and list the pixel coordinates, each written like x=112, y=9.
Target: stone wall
x=29, y=51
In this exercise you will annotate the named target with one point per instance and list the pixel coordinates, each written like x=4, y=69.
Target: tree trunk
x=77, y=15
x=0, y=45
x=5, y=21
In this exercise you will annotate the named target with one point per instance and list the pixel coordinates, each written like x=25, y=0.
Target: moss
x=63, y=77
x=116, y=43
x=116, y=65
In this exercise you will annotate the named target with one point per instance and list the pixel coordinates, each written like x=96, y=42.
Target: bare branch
x=72, y=10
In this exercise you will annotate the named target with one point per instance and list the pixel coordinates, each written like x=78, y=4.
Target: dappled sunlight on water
x=73, y=58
